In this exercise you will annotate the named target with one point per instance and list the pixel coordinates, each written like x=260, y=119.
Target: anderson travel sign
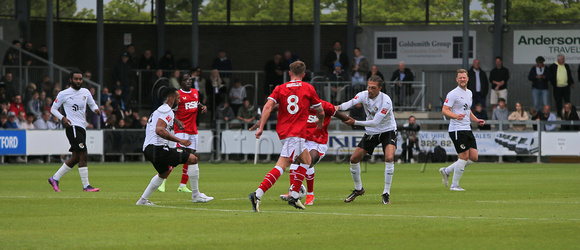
x=529, y=44
x=421, y=47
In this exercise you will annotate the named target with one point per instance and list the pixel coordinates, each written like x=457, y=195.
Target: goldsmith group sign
x=529, y=44
x=421, y=47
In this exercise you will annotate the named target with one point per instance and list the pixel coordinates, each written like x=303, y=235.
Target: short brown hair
x=376, y=78
x=298, y=68
x=461, y=71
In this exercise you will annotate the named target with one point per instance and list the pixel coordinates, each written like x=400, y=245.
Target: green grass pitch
x=506, y=206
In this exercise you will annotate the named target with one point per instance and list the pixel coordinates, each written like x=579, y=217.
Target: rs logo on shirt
x=312, y=119
x=191, y=105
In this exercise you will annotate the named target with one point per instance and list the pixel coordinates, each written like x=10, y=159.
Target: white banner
x=244, y=142
x=422, y=47
x=560, y=143
x=529, y=44
x=54, y=142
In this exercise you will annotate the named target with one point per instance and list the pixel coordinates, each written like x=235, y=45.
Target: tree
x=126, y=10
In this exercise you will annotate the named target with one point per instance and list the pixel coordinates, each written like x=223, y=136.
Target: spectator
x=357, y=112
x=167, y=62
x=105, y=96
x=359, y=68
x=34, y=106
x=16, y=106
x=12, y=55
x=410, y=135
x=121, y=124
x=143, y=122
x=118, y=103
x=44, y=121
x=375, y=71
x=11, y=121
x=403, y=91
x=237, y=96
x=47, y=104
x=274, y=70
x=199, y=83
x=47, y=86
x=28, y=122
x=21, y=120
x=478, y=84
x=498, y=77
x=11, y=85
x=247, y=113
x=569, y=114
x=4, y=96
x=546, y=115
x=561, y=78
x=223, y=63
x=500, y=114
x=480, y=113
x=225, y=113
x=41, y=98
x=133, y=60
x=539, y=77
x=27, y=59
x=123, y=76
x=31, y=88
x=42, y=52
x=289, y=58
x=219, y=89
x=336, y=76
x=88, y=75
x=534, y=116
x=147, y=61
x=335, y=56
x=174, y=79
x=519, y=115
x=3, y=120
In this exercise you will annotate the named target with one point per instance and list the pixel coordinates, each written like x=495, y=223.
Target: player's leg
x=291, y=172
x=315, y=155
x=84, y=172
x=389, y=170
x=355, y=160
x=71, y=134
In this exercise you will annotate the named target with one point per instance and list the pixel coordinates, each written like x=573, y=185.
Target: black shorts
x=77, y=137
x=370, y=142
x=162, y=157
x=463, y=140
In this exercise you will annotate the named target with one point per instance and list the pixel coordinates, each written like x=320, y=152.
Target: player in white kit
x=457, y=107
x=380, y=127
x=74, y=100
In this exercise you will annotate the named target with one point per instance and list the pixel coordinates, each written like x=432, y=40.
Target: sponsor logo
x=191, y=105
x=168, y=118
x=356, y=97
x=75, y=107
x=446, y=100
x=384, y=111
x=8, y=142
x=312, y=119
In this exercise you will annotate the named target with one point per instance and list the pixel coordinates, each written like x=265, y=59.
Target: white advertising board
x=421, y=47
x=529, y=44
x=54, y=142
x=561, y=144
x=244, y=142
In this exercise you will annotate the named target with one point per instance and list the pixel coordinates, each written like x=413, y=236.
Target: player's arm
x=161, y=131
x=265, y=115
x=179, y=124
x=54, y=110
x=274, y=109
x=348, y=104
x=93, y=105
x=379, y=116
x=320, y=114
x=479, y=122
x=446, y=111
x=202, y=107
x=341, y=116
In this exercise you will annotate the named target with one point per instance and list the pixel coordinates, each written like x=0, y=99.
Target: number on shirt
x=292, y=104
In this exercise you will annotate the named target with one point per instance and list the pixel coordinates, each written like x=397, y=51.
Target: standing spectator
x=569, y=114
x=35, y=105
x=123, y=78
x=105, y=96
x=118, y=103
x=4, y=96
x=42, y=52
x=247, y=113
x=47, y=103
x=480, y=113
x=133, y=60
x=375, y=72
x=155, y=102
x=237, y=95
x=12, y=55
x=3, y=120
x=274, y=70
x=8, y=82
x=31, y=88
x=539, y=77
x=219, y=89
x=147, y=61
x=16, y=106
x=500, y=114
x=143, y=122
x=27, y=59
x=167, y=62
x=289, y=58
x=335, y=56
x=223, y=63
x=359, y=68
x=200, y=84
x=11, y=121
x=88, y=75
x=44, y=121
x=546, y=115
x=403, y=91
x=519, y=115
x=498, y=77
x=410, y=135
x=174, y=78
x=561, y=78
x=478, y=84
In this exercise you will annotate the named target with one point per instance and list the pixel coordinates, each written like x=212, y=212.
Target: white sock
x=294, y=166
x=389, y=170
x=458, y=172
x=452, y=167
x=310, y=171
x=193, y=173
x=469, y=162
x=153, y=185
x=84, y=172
x=355, y=172
x=61, y=172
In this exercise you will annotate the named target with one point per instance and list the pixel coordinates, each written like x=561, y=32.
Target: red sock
x=299, y=178
x=271, y=178
x=310, y=182
x=184, y=175
x=291, y=174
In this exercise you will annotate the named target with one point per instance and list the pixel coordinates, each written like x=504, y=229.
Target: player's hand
x=336, y=108
x=259, y=133
x=350, y=121
x=179, y=124
x=480, y=122
x=203, y=109
x=184, y=142
x=257, y=125
x=460, y=116
x=319, y=124
x=98, y=112
x=66, y=123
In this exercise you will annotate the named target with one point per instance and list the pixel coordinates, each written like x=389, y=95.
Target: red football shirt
x=187, y=111
x=294, y=100
x=319, y=136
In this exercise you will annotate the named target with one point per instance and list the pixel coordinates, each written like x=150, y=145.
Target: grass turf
x=526, y=206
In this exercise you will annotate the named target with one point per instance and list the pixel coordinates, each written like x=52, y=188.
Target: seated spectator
x=44, y=121
x=237, y=95
x=357, y=112
x=247, y=113
x=21, y=120
x=501, y=114
x=28, y=122
x=225, y=113
x=118, y=103
x=519, y=115
x=143, y=122
x=121, y=124
x=336, y=76
x=480, y=113
x=55, y=123
x=16, y=106
x=106, y=114
x=410, y=135
x=569, y=114
x=534, y=115
x=47, y=104
x=546, y=115
x=28, y=91
x=34, y=105
x=11, y=121
x=3, y=120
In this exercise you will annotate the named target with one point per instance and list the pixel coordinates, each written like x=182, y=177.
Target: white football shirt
x=379, y=111
x=74, y=103
x=459, y=101
x=165, y=113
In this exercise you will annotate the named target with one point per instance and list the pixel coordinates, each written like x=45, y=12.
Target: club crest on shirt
x=462, y=146
x=81, y=145
x=384, y=111
x=84, y=98
x=168, y=118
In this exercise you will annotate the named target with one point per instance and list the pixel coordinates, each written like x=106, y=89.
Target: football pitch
x=506, y=206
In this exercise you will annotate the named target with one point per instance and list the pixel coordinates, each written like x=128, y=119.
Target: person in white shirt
x=457, y=107
x=74, y=100
x=380, y=127
x=156, y=148
x=44, y=121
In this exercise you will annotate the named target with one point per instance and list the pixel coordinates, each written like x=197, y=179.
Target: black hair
x=166, y=92
x=73, y=72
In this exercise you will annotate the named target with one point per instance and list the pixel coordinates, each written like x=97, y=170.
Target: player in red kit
x=186, y=129
x=294, y=99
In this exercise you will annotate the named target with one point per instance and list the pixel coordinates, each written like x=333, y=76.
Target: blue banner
x=12, y=142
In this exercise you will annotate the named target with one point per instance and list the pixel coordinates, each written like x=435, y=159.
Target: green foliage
x=126, y=10
x=543, y=10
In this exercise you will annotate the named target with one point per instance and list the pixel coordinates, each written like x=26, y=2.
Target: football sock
x=269, y=180
x=299, y=176
x=193, y=174
x=84, y=173
x=389, y=170
x=292, y=172
x=450, y=168
x=185, y=175
x=355, y=171
x=458, y=172
x=61, y=171
x=153, y=185
x=310, y=180
x=469, y=162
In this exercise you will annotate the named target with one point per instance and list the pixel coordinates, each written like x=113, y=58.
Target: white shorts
x=191, y=138
x=321, y=148
x=293, y=147
x=496, y=94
